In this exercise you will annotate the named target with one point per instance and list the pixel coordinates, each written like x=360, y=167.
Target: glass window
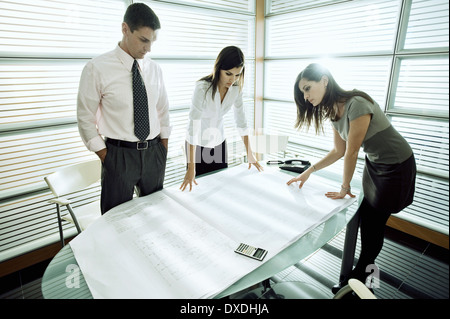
x=428, y=25
x=355, y=27
x=69, y=28
x=421, y=86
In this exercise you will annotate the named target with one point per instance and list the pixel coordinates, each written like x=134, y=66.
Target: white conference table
x=63, y=278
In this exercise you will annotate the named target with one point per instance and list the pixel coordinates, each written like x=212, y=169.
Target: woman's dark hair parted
x=328, y=108
x=230, y=57
x=140, y=15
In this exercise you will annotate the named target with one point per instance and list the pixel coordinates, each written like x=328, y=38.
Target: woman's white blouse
x=206, y=116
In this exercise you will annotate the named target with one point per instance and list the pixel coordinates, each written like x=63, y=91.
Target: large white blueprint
x=174, y=244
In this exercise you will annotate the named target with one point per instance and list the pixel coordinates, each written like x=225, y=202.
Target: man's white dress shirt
x=206, y=116
x=105, y=99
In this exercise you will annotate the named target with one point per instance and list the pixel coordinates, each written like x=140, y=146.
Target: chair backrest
x=265, y=144
x=74, y=178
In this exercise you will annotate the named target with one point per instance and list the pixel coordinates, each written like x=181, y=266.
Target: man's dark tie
x=141, y=124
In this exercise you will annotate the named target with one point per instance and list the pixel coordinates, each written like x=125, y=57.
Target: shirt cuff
x=243, y=131
x=165, y=131
x=96, y=144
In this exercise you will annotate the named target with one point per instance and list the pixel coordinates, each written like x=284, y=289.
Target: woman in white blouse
x=213, y=97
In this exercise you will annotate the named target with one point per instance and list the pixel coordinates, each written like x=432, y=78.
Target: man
x=122, y=97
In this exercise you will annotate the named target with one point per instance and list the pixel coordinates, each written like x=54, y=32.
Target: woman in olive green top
x=390, y=168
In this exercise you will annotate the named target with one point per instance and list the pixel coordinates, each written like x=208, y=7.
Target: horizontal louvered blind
x=191, y=32
x=430, y=206
x=180, y=77
x=26, y=158
x=41, y=46
x=420, y=89
x=370, y=75
x=428, y=25
x=422, y=86
x=280, y=6
x=279, y=119
x=348, y=28
x=235, y=5
x=429, y=141
x=59, y=28
x=38, y=92
x=175, y=166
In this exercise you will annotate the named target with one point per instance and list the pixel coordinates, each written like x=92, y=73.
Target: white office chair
x=358, y=287
x=266, y=144
x=71, y=179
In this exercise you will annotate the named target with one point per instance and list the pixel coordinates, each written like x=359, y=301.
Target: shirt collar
x=126, y=59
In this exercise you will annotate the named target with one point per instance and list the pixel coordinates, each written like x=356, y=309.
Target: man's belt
x=135, y=145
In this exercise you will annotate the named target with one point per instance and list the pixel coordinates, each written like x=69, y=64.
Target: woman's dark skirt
x=210, y=159
x=390, y=187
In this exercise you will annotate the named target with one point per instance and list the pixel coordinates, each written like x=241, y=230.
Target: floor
x=24, y=284
x=409, y=269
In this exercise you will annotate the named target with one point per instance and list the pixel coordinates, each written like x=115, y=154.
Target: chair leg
x=75, y=221
x=61, y=235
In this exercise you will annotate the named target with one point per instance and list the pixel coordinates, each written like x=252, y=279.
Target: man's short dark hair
x=140, y=15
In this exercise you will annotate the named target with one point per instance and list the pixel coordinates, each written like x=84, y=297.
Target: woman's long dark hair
x=229, y=58
x=327, y=109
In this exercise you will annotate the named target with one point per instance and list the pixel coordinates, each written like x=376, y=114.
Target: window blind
x=369, y=74
x=29, y=156
x=38, y=92
x=279, y=119
x=430, y=205
x=181, y=75
x=65, y=28
x=428, y=25
x=192, y=32
x=355, y=27
x=422, y=86
x=245, y=6
x=280, y=6
x=429, y=140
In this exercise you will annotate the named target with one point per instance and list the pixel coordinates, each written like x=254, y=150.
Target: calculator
x=250, y=251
